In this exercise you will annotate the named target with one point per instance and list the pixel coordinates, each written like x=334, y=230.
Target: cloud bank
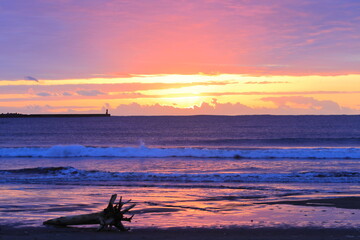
x=284, y=106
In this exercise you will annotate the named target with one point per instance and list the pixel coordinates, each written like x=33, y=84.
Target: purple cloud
x=90, y=93
x=284, y=106
x=44, y=94
x=299, y=37
x=66, y=94
x=31, y=78
x=307, y=105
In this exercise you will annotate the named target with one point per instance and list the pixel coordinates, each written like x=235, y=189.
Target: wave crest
x=73, y=151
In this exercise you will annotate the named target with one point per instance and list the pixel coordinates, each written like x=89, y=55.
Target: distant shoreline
x=19, y=115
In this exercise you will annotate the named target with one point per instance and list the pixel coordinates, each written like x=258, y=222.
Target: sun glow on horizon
x=185, y=91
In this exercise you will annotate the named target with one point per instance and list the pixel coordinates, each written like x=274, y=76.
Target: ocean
x=182, y=171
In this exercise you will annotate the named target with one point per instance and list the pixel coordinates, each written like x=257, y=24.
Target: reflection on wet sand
x=169, y=207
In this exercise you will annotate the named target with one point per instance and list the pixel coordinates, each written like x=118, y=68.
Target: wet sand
x=42, y=233
x=225, y=233
x=339, y=202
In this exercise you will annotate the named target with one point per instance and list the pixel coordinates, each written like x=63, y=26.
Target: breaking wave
x=73, y=151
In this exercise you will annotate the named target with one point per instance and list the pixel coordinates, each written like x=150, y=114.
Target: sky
x=184, y=57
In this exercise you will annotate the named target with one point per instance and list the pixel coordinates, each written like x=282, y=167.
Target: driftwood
x=110, y=216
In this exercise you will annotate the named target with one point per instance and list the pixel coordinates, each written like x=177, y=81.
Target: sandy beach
x=226, y=233
x=339, y=202
x=40, y=233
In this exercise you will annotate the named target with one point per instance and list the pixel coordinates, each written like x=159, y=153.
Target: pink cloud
x=203, y=109
x=295, y=105
x=264, y=82
x=247, y=37
x=46, y=108
x=284, y=106
x=118, y=87
x=307, y=105
x=278, y=93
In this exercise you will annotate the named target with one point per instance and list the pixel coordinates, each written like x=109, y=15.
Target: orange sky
x=229, y=94
x=180, y=57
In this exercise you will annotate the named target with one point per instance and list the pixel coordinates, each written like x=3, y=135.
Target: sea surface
x=182, y=171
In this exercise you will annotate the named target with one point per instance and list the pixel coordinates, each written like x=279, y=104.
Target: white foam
x=71, y=151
